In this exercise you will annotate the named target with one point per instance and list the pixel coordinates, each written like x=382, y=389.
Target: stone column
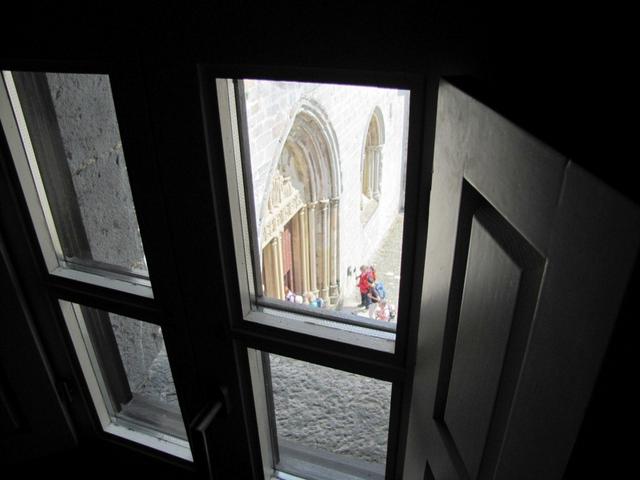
x=276, y=246
x=304, y=248
x=368, y=172
x=313, y=272
x=377, y=170
x=267, y=271
x=296, y=254
x=324, y=221
x=333, y=250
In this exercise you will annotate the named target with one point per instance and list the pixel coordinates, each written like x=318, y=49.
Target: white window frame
x=264, y=311
x=276, y=331
x=14, y=125
x=109, y=421
x=274, y=327
x=123, y=286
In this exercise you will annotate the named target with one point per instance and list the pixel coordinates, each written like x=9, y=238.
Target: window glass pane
x=329, y=420
x=70, y=132
x=326, y=176
x=128, y=360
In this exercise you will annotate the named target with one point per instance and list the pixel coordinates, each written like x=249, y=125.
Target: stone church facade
x=327, y=164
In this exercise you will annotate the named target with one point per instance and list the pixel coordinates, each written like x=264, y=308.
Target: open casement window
x=525, y=266
x=504, y=312
x=71, y=161
x=68, y=157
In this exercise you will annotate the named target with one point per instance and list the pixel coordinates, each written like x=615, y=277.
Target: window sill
x=114, y=281
x=158, y=441
x=360, y=336
x=313, y=464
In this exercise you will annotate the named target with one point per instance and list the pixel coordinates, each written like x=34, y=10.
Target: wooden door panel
x=516, y=312
x=495, y=283
x=488, y=302
x=519, y=175
x=492, y=301
x=591, y=253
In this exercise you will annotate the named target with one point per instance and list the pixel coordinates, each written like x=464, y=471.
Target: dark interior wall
x=99, y=460
x=554, y=71
x=556, y=67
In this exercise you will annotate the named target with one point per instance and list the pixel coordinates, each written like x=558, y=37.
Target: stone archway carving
x=299, y=223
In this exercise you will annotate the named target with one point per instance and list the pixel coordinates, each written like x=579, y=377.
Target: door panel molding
x=526, y=263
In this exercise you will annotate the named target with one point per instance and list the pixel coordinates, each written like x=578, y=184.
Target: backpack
x=380, y=289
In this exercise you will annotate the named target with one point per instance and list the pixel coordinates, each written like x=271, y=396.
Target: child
x=383, y=312
x=289, y=296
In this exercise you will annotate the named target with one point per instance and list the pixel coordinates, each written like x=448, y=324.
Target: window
x=64, y=139
x=125, y=363
x=293, y=153
x=326, y=418
x=73, y=163
x=156, y=363
x=300, y=159
x=372, y=166
x=232, y=347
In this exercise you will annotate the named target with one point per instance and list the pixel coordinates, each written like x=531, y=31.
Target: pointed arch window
x=372, y=166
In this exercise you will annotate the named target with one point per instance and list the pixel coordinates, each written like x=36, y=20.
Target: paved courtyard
x=317, y=406
x=387, y=264
x=337, y=411
x=331, y=410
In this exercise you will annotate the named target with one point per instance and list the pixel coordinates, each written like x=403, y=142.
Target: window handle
x=202, y=438
x=207, y=434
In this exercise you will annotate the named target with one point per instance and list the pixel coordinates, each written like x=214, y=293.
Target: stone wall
x=271, y=110
x=87, y=121
x=89, y=131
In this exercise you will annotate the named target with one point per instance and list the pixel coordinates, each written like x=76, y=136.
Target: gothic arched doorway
x=299, y=220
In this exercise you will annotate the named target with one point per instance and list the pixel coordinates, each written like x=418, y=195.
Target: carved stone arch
x=377, y=126
x=323, y=134
x=299, y=228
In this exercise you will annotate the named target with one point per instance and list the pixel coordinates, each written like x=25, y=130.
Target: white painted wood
x=15, y=130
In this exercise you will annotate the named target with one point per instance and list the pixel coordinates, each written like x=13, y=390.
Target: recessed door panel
x=488, y=303
x=527, y=256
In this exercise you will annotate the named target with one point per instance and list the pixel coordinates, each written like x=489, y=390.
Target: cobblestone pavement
x=337, y=411
x=331, y=410
x=159, y=384
x=317, y=406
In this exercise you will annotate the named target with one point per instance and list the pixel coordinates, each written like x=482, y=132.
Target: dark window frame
x=137, y=92
x=394, y=367
x=126, y=86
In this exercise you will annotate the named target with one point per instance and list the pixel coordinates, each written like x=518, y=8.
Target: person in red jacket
x=363, y=285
